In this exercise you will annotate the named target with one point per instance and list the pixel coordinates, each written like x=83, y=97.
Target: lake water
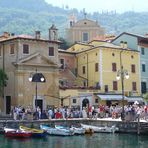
x=97, y=140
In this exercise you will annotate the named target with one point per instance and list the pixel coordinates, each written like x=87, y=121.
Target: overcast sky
x=99, y=5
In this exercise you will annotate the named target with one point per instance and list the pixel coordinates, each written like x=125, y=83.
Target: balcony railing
x=80, y=87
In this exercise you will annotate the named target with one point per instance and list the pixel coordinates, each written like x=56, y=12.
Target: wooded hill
x=27, y=16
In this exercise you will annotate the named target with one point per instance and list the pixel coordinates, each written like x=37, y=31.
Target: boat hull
x=18, y=134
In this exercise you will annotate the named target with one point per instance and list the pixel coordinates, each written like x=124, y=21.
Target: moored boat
x=57, y=131
x=78, y=130
x=18, y=134
x=7, y=129
x=35, y=132
x=103, y=129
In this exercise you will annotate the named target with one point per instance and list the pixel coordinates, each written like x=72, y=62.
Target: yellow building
x=97, y=67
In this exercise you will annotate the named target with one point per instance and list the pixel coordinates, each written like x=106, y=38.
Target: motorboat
x=56, y=131
x=38, y=133
x=78, y=130
x=7, y=129
x=18, y=134
x=103, y=129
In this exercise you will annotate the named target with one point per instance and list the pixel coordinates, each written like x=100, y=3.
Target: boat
x=103, y=129
x=56, y=131
x=35, y=132
x=78, y=130
x=89, y=131
x=18, y=134
x=6, y=129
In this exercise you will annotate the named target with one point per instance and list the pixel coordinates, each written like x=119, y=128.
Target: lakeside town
x=97, y=69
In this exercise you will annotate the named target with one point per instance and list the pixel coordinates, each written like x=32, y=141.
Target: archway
x=85, y=103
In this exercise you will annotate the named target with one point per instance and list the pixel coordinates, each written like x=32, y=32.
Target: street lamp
x=123, y=74
x=36, y=77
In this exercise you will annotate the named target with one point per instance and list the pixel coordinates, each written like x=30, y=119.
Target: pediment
x=36, y=59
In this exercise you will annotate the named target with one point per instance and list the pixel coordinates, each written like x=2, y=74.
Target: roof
x=27, y=37
x=130, y=34
x=108, y=45
x=65, y=51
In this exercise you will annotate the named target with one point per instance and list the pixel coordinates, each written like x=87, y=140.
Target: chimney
x=125, y=45
x=37, y=34
x=121, y=44
x=6, y=34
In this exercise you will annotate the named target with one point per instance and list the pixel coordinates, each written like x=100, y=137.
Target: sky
x=103, y=5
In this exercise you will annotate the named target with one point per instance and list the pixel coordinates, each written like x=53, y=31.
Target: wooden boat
x=56, y=131
x=18, y=134
x=35, y=132
x=89, y=131
x=104, y=129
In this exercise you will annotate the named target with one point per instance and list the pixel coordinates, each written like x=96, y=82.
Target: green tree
x=64, y=45
x=3, y=81
x=146, y=97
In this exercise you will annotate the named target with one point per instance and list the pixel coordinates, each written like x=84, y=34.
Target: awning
x=111, y=97
x=135, y=98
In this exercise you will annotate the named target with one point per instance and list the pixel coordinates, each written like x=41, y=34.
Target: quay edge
x=124, y=126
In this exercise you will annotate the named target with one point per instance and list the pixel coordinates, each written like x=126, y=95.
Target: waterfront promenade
x=137, y=127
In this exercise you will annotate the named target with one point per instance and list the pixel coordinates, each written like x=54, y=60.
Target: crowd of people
x=132, y=112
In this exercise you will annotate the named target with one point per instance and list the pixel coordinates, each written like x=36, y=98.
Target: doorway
x=40, y=104
x=8, y=104
x=85, y=103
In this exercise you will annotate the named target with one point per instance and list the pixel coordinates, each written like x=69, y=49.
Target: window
x=96, y=67
x=134, y=87
x=115, y=85
x=106, y=88
x=142, y=51
x=85, y=37
x=143, y=87
x=51, y=51
x=25, y=49
x=143, y=67
x=83, y=69
x=114, y=67
x=133, y=69
x=62, y=63
x=12, y=49
x=74, y=101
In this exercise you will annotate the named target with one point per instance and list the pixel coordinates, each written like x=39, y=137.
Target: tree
x=65, y=45
x=146, y=97
x=3, y=81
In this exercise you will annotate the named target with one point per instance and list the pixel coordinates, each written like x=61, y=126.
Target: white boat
x=6, y=129
x=78, y=130
x=56, y=131
x=102, y=129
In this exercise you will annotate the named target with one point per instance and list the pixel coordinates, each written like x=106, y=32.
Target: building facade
x=22, y=57
x=83, y=31
x=139, y=43
x=97, y=66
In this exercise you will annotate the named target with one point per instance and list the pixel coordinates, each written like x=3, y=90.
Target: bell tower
x=53, y=33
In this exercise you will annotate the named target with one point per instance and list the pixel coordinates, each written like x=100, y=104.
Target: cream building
x=22, y=57
x=84, y=30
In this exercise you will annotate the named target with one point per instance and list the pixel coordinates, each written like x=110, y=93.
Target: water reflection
x=88, y=141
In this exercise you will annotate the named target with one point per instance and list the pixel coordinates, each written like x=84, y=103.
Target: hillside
x=26, y=16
